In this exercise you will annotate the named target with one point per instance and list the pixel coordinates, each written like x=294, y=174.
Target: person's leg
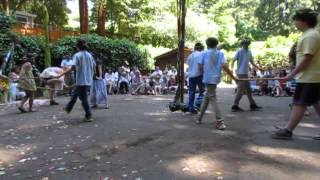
x=73, y=99
x=213, y=102
x=249, y=93
x=23, y=101
x=93, y=94
x=126, y=87
x=192, y=92
x=296, y=116
x=31, y=98
x=83, y=96
x=217, y=113
x=239, y=94
x=204, y=105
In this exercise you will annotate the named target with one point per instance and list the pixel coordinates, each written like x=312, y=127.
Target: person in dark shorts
x=306, y=71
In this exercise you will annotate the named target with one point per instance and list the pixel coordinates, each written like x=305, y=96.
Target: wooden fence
x=54, y=34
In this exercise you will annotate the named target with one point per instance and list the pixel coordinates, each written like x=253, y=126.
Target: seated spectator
x=123, y=83
x=109, y=78
x=157, y=72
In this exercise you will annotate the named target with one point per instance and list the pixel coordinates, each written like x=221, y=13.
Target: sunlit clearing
x=155, y=114
x=194, y=165
x=305, y=156
x=161, y=99
x=179, y=126
x=11, y=154
x=309, y=125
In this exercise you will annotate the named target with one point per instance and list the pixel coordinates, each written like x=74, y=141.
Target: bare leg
x=296, y=116
x=31, y=98
x=23, y=101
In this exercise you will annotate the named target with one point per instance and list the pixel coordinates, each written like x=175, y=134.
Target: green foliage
x=113, y=53
x=5, y=35
x=57, y=9
x=31, y=45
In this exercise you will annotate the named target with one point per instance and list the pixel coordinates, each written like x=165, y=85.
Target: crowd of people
x=84, y=73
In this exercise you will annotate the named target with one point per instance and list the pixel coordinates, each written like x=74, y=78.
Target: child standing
x=28, y=84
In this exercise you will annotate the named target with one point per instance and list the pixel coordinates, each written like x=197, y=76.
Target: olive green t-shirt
x=309, y=43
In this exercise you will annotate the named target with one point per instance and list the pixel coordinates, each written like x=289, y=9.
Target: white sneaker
x=220, y=125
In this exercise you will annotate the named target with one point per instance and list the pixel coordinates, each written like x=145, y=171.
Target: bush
x=5, y=35
x=31, y=45
x=113, y=53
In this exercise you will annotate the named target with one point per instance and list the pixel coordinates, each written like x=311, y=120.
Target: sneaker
x=53, y=103
x=66, y=110
x=88, y=119
x=284, y=134
x=220, y=125
x=254, y=107
x=236, y=108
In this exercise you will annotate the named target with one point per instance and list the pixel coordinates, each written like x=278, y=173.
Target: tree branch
x=18, y=6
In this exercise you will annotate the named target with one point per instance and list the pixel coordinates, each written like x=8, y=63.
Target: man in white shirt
x=195, y=76
x=157, y=72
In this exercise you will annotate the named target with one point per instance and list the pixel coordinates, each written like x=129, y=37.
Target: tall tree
x=57, y=11
x=84, y=17
x=101, y=17
x=5, y=6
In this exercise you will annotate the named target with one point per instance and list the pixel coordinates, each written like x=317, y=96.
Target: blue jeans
x=193, y=83
x=82, y=93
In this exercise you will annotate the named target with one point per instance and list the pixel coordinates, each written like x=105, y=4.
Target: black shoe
x=236, y=108
x=254, y=107
x=88, y=119
x=193, y=111
x=94, y=106
x=53, y=103
x=66, y=110
x=283, y=134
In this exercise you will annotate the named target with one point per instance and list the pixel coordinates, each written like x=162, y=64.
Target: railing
x=38, y=31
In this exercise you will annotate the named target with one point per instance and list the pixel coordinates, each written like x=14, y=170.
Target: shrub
x=5, y=35
x=113, y=53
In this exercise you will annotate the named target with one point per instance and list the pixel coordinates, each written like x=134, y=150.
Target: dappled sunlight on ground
x=195, y=165
x=309, y=125
x=289, y=154
x=11, y=154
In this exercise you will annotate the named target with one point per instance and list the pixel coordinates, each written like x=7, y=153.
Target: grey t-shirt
x=243, y=58
x=84, y=63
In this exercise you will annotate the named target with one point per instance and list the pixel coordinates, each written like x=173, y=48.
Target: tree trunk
x=101, y=18
x=84, y=18
x=5, y=6
x=47, y=55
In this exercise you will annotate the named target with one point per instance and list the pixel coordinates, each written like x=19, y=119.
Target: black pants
x=124, y=88
x=82, y=93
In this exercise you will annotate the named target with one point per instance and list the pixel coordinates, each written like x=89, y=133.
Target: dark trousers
x=193, y=83
x=124, y=88
x=82, y=93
